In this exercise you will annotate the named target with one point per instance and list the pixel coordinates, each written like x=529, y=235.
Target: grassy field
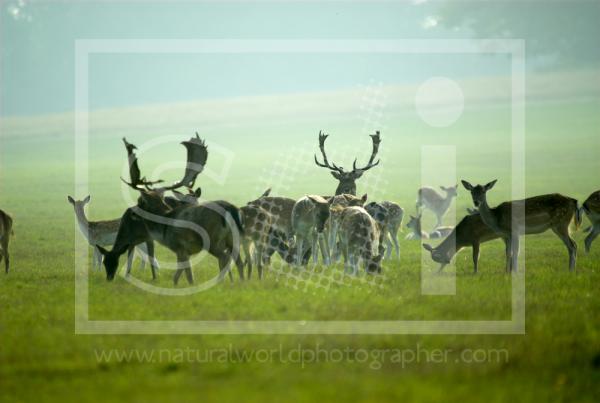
x=557, y=359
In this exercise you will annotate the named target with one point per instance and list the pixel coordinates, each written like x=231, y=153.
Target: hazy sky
x=38, y=40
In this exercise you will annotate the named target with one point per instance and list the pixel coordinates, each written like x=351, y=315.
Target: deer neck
x=446, y=201
x=346, y=187
x=488, y=217
x=82, y=221
x=449, y=246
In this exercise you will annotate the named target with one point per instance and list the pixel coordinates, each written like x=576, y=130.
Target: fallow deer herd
x=339, y=225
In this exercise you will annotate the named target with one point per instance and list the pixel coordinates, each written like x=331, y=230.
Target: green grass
x=557, y=359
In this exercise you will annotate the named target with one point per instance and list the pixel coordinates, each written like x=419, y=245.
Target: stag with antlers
x=186, y=229
x=347, y=179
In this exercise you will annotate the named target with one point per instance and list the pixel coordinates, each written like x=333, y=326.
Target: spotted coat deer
x=360, y=240
x=309, y=217
x=390, y=216
x=534, y=215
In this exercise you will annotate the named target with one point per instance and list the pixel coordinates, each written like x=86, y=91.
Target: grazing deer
x=470, y=231
x=132, y=231
x=6, y=231
x=347, y=180
x=414, y=224
x=532, y=216
x=343, y=200
x=257, y=228
x=591, y=207
x=432, y=200
x=360, y=240
x=390, y=216
x=309, y=217
x=103, y=233
x=188, y=229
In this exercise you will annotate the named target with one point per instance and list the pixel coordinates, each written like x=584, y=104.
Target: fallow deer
x=347, y=179
x=6, y=231
x=390, y=215
x=188, y=229
x=533, y=215
x=257, y=228
x=104, y=233
x=280, y=209
x=414, y=224
x=359, y=240
x=471, y=231
x=309, y=216
x=591, y=207
x=428, y=198
x=343, y=200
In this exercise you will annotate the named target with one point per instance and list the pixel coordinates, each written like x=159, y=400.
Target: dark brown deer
x=471, y=231
x=6, y=231
x=347, y=179
x=591, y=207
x=214, y=227
x=531, y=216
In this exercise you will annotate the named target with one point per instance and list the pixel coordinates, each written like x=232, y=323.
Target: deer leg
x=225, y=268
x=563, y=234
x=508, y=252
x=130, y=253
x=594, y=232
x=315, y=250
x=299, y=251
x=394, y=236
x=259, y=263
x=97, y=259
x=4, y=254
x=143, y=252
x=515, y=254
x=475, y=257
x=323, y=244
x=151, y=258
x=189, y=274
x=246, y=246
x=439, y=219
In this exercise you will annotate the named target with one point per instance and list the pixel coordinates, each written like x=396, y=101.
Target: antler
x=134, y=169
x=197, y=154
x=325, y=164
x=376, y=138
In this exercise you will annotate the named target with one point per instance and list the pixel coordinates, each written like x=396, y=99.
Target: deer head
x=347, y=179
x=197, y=154
x=478, y=192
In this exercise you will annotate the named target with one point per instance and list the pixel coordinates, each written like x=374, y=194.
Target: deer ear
x=428, y=247
x=364, y=198
x=198, y=192
x=87, y=199
x=490, y=185
x=467, y=185
x=336, y=175
x=444, y=188
x=70, y=199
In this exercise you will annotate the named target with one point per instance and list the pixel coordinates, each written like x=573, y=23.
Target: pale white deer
x=103, y=233
x=309, y=217
x=428, y=198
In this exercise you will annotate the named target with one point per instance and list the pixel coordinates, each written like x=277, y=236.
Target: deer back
x=280, y=209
